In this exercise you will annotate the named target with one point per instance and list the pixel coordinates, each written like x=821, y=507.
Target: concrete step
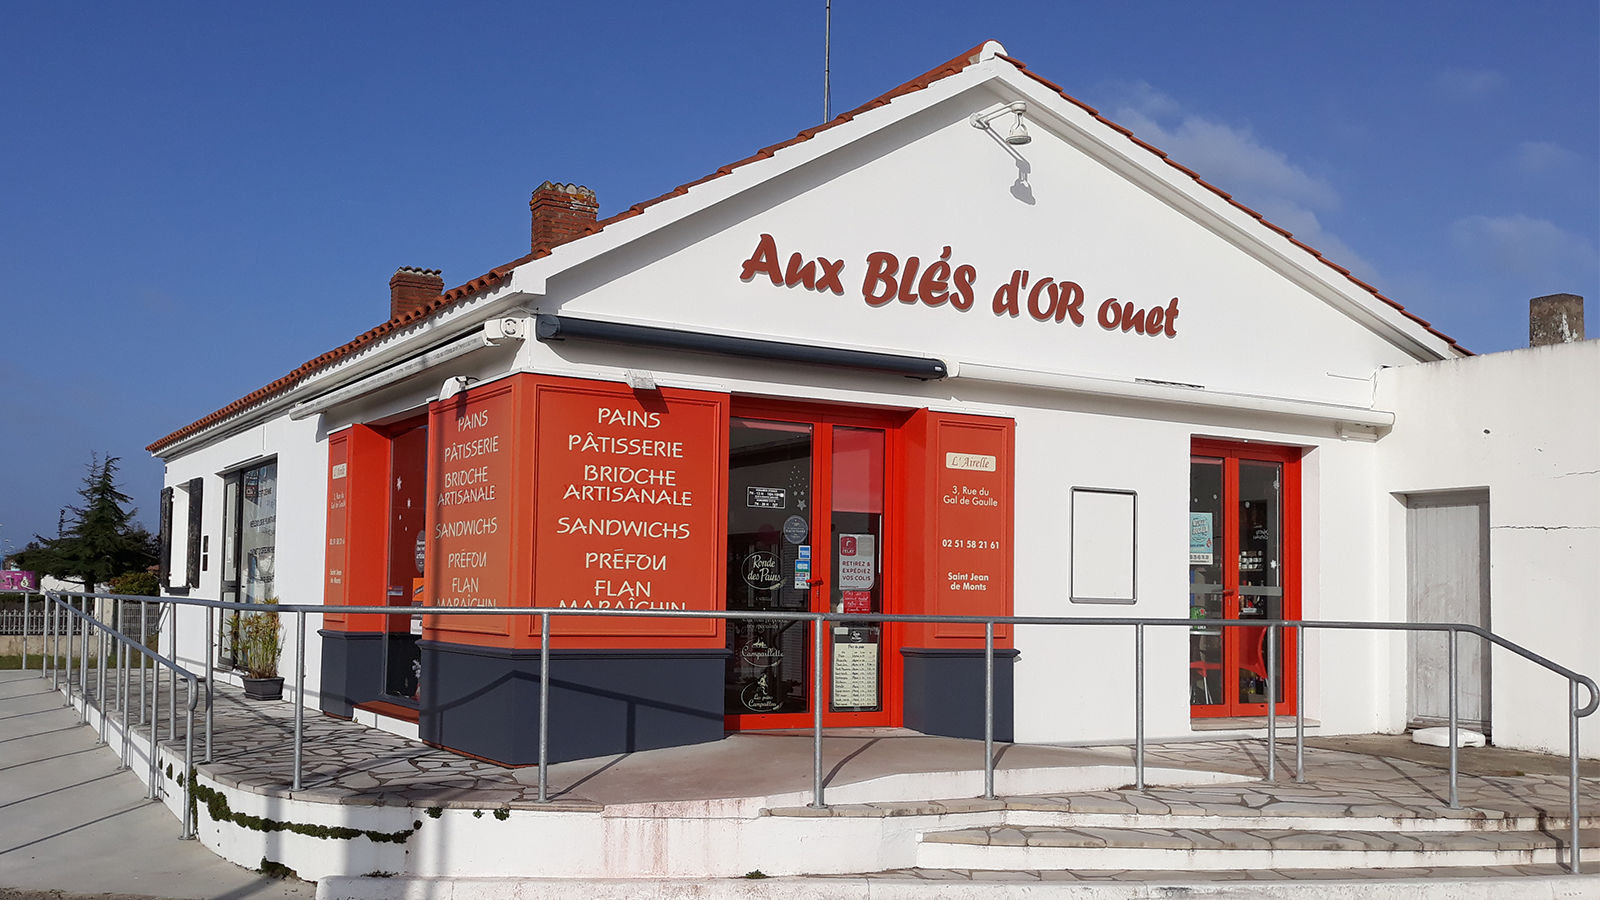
x=1199, y=809
x=1242, y=847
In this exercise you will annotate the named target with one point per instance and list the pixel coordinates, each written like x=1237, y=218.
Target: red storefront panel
x=473, y=487
x=561, y=492
x=628, y=508
x=959, y=525
x=357, y=546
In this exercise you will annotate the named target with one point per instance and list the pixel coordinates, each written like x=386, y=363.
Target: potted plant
x=260, y=640
x=235, y=635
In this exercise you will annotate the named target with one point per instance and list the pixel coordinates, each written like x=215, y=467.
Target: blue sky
x=196, y=198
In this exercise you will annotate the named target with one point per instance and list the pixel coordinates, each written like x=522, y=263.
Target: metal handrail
x=1274, y=629
x=61, y=608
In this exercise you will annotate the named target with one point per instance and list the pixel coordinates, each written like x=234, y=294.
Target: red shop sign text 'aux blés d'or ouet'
x=948, y=282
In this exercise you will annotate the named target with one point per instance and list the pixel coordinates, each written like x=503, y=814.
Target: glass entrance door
x=805, y=534
x=1243, y=564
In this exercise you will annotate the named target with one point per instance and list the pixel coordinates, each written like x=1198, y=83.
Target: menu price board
x=854, y=680
x=628, y=500
x=972, y=524
x=472, y=517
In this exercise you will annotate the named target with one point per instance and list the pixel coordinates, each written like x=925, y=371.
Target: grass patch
x=217, y=807
x=276, y=869
x=14, y=661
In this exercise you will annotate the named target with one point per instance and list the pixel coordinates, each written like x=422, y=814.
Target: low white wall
x=1525, y=424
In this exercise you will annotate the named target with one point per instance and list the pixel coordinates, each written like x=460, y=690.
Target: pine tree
x=101, y=540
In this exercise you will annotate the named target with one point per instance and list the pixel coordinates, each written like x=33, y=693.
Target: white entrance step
x=1242, y=847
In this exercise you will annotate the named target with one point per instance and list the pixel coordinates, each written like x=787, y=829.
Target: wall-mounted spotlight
x=1019, y=130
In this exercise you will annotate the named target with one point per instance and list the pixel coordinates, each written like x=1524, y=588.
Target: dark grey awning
x=560, y=328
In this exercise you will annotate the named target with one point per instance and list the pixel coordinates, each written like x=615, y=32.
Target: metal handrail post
x=1138, y=706
x=211, y=635
x=172, y=675
x=1300, y=704
x=188, y=756
x=1272, y=703
x=1572, y=774
x=988, y=710
x=100, y=676
x=64, y=639
x=144, y=635
x=817, y=626
x=299, y=696
x=154, y=792
x=25, y=634
x=122, y=684
x=83, y=662
x=544, y=708
x=121, y=657
x=53, y=642
x=1454, y=799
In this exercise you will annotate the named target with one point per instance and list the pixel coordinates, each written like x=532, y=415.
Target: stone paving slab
x=1513, y=883
x=1257, y=839
x=1421, y=873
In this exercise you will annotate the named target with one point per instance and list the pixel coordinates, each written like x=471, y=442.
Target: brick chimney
x=561, y=212
x=411, y=289
x=1555, y=319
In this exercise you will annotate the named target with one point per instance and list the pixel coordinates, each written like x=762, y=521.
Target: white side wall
x=1524, y=424
x=302, y=455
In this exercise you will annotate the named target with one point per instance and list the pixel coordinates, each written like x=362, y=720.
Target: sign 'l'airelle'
x=942, y=282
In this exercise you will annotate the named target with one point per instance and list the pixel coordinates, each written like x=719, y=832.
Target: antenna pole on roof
x=827, y=54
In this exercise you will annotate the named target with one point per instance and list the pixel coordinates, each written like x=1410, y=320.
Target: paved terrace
x=1374, y=775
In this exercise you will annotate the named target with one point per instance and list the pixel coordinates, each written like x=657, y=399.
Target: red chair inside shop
x=1202, y=671
x=1254, y=656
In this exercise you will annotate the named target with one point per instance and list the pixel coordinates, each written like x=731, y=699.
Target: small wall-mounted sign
x=970, y=462
x=765, y=498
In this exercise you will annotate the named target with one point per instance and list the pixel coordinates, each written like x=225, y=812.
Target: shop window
x=249, y=544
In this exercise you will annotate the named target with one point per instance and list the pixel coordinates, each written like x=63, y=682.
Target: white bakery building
x=970, y=349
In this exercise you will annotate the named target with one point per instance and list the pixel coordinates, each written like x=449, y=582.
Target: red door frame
x=823, y=417
x=1230, y=452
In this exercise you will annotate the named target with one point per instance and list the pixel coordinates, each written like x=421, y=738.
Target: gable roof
x=498, y=275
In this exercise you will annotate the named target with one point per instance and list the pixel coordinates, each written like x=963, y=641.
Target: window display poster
x=858, y=559
x=856, y=601
x=1201, y=539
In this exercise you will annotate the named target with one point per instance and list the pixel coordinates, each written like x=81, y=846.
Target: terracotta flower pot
x=264, y=688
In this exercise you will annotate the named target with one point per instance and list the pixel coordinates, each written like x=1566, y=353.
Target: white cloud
x=1535, y=249
x=1544, y=157
x=1469, y=83
x=1234, y=160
